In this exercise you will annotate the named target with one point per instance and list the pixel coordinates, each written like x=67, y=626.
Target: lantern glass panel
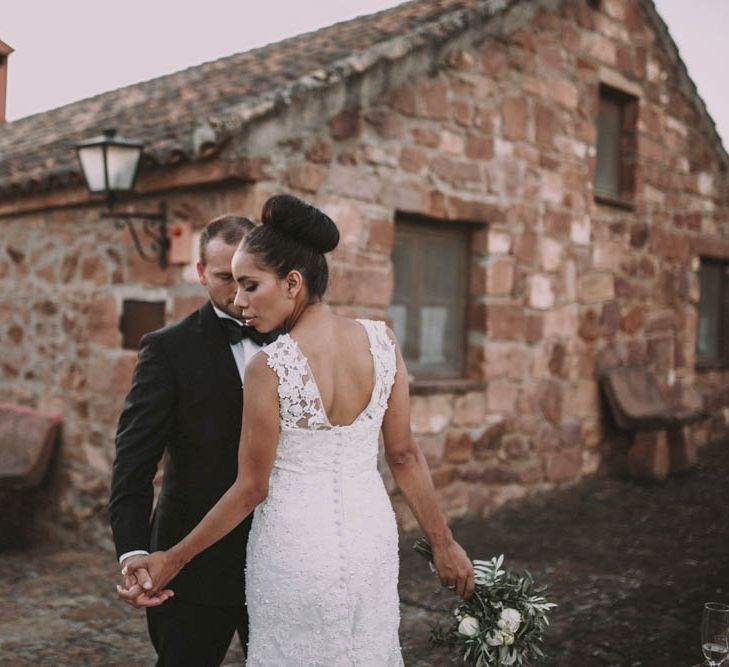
x=122, y=165
x=92, y=164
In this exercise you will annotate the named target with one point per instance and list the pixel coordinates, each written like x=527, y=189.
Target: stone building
x=530, y=190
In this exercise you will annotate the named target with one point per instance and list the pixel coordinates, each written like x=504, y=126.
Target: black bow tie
x=237, y=332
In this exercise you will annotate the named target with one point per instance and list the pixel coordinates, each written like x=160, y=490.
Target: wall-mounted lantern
x=109, y=164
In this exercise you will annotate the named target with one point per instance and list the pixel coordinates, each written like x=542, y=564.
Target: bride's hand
x=454, y=568
x=160, y=565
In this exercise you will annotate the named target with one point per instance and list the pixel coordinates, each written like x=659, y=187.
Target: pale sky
x=71, y=49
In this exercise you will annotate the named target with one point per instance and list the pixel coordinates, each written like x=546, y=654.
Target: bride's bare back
x=338, y=352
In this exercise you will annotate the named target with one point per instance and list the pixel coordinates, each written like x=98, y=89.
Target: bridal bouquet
x=502, y=624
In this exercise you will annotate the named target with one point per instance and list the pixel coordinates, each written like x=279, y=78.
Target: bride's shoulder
x=380, y=327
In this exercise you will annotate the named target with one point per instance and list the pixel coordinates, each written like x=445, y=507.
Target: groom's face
x=216, y=275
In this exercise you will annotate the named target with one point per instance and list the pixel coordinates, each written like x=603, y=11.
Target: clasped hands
x=144, y=578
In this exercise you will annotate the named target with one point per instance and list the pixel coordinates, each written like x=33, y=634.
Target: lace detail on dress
x=300, y=404
x=383, y=354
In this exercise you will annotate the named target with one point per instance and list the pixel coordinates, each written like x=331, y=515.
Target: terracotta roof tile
x=190, y=114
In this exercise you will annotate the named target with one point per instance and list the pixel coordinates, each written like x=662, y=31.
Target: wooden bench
x=27, y=441
x=658, y=423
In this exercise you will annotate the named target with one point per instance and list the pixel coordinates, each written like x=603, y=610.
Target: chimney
x=5, y=51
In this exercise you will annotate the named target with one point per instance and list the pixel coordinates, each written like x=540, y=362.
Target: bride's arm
x=411, y=474
x=256, y=452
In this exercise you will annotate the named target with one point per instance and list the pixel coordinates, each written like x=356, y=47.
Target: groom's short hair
x=231, y=228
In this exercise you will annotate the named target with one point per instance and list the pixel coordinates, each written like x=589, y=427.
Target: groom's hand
x=154, y=571
x=136, y=587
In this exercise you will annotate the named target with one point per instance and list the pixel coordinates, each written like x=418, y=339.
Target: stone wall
x=501, y=134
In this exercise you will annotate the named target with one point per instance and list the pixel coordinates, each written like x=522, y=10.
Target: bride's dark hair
x=294, y=235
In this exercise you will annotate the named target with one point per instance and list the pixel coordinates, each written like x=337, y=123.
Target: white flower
x=506, y=657
x=468, y=627
x=510, y=620
x=508, y=638
x=495, y=638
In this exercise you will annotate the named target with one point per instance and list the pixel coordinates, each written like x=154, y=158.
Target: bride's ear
x=294, y=284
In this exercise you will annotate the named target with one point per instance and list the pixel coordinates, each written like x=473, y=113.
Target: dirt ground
x=629, y=564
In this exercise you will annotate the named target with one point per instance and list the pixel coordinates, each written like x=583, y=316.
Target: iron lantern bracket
x=154, y=226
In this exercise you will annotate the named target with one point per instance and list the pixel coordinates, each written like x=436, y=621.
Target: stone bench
x=27, y=441
x=658, y=423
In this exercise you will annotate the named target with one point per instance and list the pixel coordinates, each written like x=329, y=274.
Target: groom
x=186, y=402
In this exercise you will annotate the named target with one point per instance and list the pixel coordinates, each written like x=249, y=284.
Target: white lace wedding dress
x=322, y=568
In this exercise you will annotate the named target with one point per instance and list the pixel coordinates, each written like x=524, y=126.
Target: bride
x=322, y=567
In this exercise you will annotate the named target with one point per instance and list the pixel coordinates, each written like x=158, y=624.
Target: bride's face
x=262, y=296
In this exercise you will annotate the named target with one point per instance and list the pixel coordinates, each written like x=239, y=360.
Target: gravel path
x=629, y=564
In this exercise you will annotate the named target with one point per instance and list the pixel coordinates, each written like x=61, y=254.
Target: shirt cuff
x=137, y=552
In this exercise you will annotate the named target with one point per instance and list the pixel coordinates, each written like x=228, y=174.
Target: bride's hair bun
x=300, y=222
x=294, y=236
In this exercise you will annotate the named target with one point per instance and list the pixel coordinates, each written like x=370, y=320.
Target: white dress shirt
x=243, y=352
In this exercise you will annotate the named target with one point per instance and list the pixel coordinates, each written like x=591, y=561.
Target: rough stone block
x=514, y=118
x=381, y=235
x=490, y=441
x=433, y=448
x=319, y=152
x=563, y=466
x=550, y=252
x=633, y=319
x=458, y=446
x=681, y=448
x=27, y=441
x=541, y=294
x=354, y=182
x=469, y=409
x=426, y=136
x=550, y=398
x=433, y=98
x=500, y=277
x=564, y=92
x=479, y=147
x=185, y=304
x=596, y=287
x=499, y=243
x=561, y=322
x=504, y=360
x=456, y=171
x=547, y=126
x=307, y=177
x=462, y=111
x=501, y=396
x=346, y=124
x=473, y=209
x=648, y=457
x=451, y=143
x=386, y=123
x=405, y=195
x=413, y=160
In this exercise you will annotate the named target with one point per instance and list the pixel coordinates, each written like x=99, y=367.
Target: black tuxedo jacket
x=186, y=401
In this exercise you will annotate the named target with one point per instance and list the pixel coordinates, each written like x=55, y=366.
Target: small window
x=712, y=337
x=428, y=310
x=139, y=318
x=616, y=146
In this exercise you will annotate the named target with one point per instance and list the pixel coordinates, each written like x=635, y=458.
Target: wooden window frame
x=627, y=147
x=722, y=359
x=424, y=381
